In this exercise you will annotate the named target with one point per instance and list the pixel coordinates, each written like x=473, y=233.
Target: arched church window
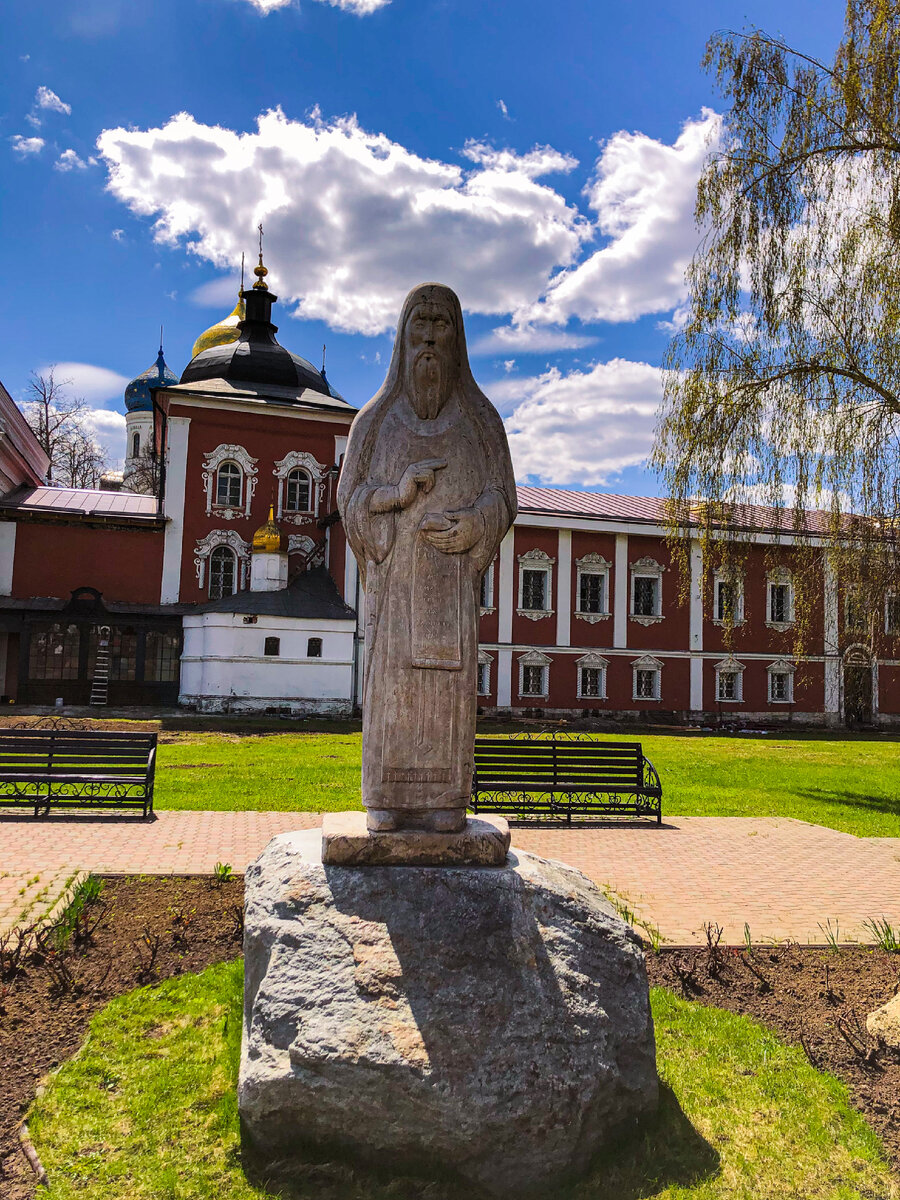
x=299, y=491
x=222, y=573
x=135, y=445
x=229, y=478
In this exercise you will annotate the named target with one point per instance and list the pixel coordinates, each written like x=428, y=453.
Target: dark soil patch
x=814, y=997
x=152, y=928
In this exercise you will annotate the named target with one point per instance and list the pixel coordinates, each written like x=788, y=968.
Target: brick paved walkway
x=784, y=878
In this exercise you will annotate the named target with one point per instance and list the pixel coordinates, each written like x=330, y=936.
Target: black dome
x=256, y=357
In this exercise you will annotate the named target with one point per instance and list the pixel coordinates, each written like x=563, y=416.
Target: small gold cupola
x=224, y=331
x=269, y=539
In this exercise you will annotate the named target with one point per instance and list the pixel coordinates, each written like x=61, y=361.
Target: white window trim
x=489, y=592
x=592, y=564
x=484, y=660
x=536, y=560
x=737, y=582
x=646, y=663
x=318, y=473
x=779, y=577
x=646, y=568
x=598, y=663
x=781, y=666
x=213, y=459
x=731, y=666
x=887, y=614
x=223, y=537
x=534, y=658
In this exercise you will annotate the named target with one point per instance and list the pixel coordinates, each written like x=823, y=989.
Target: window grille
x=534, y=590
x=314, y=647
x=592, y=593
x=486, y=590
x=54, y=652
x=726, y=601
x=161, y=657
x=646, y=684
x=892, y=615
x=646, y=596
x=779, y=602
x=222, y=573
x=592, y=682
x=780, y=685
x=228, y=485
x=484, y=679
x=729, y=685
x=533, y=680
x=299, y=491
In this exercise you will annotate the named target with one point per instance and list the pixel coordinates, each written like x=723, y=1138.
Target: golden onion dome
x=269, y=539
x=222, y=332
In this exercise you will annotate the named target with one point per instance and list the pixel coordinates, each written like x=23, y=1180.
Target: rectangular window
x=646, y=596
x=122, y=654
x=726, y=596
x=592, y=593
x=161, y=657
x=314, y=647
x=534, y=590
x=779, y=602
x=854, y=613
x=646, y=684
x=780, y=686
x=729, y=685
x=892, y=614
x=533, y=681
x=272, y=647
x=592, y=682
x=54, y=652
x=484, y=679
x=486, y=591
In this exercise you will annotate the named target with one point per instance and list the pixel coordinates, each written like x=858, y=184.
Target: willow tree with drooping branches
x=782, y=386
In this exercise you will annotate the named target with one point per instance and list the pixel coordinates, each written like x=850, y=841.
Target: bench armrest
x=651, y=778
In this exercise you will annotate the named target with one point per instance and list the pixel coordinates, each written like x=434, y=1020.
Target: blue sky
x=541, y=159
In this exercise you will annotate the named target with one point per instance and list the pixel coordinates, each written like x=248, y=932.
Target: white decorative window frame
x=213, y=459
x=737, y=582
x=536, y=560
x=534, y=658
x=484, y=660
x=730, y=666
x=592, y=564
x=646, y=568
x=598, y=662
x=300, y=543
x=490, y=607
x=781, y=666
x=646, y=663
x=223, y=537
x=891, y=630
x=780, y=576
x=318, y=473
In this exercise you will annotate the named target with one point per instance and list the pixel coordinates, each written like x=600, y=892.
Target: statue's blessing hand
x=418, y=475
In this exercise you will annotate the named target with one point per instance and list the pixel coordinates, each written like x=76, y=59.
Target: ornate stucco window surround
x=728, y=592
x=534, y=675
x=646, y=591
x=222, y=537
x=290, y=472
x=228, y=453
x=729, y=681
x=592, y=588
x=535, y=585
x=781, y=681
x=779, y=599
x=486, y=592
x=591, y=676
x=483, y=683
x=646, y=674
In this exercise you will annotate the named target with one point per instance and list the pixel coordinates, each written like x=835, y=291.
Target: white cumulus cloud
x=70, y=161
x=643, y=192
x=526, y=339
x=108, y=428
x=362, y=8
x=46, y=99
x=583, y=427
x=352, y=219
x=95, y=385
x=26, y=146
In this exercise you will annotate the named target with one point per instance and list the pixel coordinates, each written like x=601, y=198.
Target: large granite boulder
x=490, y=1021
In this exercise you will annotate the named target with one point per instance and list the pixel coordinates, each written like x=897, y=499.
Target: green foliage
x=783, y=385
x=74, y=921
x=222, y=872
x=148, y=1110
x=883, y=934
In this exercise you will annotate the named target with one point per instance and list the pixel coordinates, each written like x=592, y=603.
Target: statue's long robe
x=421, y=616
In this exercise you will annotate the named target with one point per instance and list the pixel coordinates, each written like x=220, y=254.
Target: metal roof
x=312, y=594
x=84, y=502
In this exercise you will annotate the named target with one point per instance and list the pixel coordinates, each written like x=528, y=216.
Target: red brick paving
x=784, y=878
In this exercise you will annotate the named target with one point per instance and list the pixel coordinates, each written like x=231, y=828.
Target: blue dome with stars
x=137, y=394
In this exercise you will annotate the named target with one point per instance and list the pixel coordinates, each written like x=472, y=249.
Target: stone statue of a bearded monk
x=426, y=494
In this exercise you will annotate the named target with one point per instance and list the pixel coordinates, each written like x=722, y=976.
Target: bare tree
x=60, y=422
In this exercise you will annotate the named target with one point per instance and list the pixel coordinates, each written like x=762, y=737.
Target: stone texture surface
x=884, y=1023
x=493, y=1021
x=346, y=841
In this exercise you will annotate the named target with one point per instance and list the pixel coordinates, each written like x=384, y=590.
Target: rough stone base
x=484, y=841
x=490, y=1021
x=884, y=1023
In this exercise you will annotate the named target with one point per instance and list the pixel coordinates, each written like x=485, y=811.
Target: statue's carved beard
x=430, y=384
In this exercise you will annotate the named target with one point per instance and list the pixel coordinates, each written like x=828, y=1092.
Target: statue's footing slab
x=346, y=842
x=488, y=1022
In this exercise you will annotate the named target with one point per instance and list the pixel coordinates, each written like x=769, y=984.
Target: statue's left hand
x=466, y=527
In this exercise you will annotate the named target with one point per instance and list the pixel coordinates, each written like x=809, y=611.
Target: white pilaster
x=504, y=678
x=620, y=597
x=7, y=556
x=696, y=684
x=564, y=589
x=350, y=570
x=696, y=609
x=831, y=646
x=505, y=590
x=176, y=476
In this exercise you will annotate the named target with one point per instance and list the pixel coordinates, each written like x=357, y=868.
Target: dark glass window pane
x=591, y=681
x=592, y=598
x=725, y=602
x=780, y=685
x=728, y=685
x=533, y=681
x=272, y=647
x=893, y=614
x=534, y=590
x=646, y=590
x=161, y=657
x=484, y=678
x=221, y=573
x=298, y=492
x=228, y=485
x=779, y=605
x=646, y=687
x=314, y=648
x=54, y=652
x=484, y=595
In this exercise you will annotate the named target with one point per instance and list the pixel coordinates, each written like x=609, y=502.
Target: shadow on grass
x=660, y=1152
x=862, y=800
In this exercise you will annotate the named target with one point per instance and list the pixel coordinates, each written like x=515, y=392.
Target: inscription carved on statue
x=426, y=494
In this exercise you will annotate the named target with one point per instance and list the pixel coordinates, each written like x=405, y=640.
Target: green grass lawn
x=847, y=783
x=147, y=1110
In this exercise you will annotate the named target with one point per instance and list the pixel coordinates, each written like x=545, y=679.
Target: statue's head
x=430, y=351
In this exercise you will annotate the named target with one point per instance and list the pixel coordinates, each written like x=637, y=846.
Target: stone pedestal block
x=346, y=841
x=490, y=1021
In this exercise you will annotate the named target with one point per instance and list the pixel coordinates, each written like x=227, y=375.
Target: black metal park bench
x=562, y=777
x=76, y=768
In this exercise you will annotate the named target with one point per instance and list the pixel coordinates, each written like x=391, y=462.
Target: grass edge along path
x=147, y=1109
x=849, y=784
